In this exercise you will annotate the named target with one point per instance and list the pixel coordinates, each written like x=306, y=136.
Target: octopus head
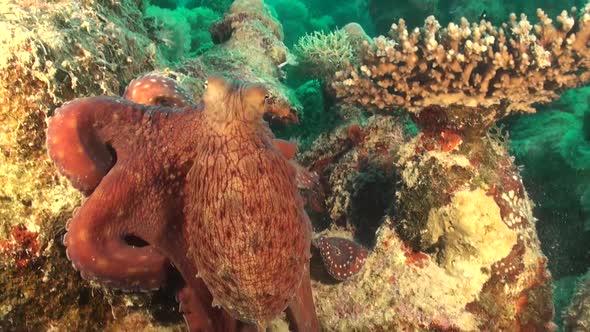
x=229, y=102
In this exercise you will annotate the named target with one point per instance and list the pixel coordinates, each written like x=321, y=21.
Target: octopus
x=203, y=188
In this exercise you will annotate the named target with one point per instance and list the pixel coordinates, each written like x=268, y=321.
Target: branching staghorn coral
x=471, y=66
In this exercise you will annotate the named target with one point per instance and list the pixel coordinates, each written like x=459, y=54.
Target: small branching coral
x=322, y=54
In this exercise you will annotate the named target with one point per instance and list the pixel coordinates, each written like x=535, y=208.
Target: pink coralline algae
x=206, y=189
x=22, y=246
x=342, y=257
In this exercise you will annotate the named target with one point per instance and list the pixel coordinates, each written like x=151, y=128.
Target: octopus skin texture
x=208, y=190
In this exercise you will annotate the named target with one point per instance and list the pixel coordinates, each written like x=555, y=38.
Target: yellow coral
x=474, y=236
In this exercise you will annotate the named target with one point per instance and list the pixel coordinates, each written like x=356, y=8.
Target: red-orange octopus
x=207, y=188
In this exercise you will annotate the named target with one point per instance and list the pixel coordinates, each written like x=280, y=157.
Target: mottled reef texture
x=577, y=316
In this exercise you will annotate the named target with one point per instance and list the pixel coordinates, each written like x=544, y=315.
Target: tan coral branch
x=470, y=66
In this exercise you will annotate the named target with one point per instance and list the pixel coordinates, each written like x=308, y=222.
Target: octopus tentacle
x=195, y=305
x=82, y=134
x=194, y=298
x=287, y=148
x=193, y=310
x=153, y=89
x=96, y=245
x=300, y=312
x=310, y=188
x=342, y=257
x=307, y=181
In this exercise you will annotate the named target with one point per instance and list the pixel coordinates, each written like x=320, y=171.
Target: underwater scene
x=294, y=165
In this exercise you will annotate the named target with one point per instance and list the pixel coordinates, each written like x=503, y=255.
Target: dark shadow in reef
x=373, y=197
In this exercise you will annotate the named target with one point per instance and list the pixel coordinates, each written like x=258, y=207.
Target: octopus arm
x=97, y=244
x=200, y=316
x=153, y=89
x=310, y=187
x=301, y=310
x=286, y=148
x=82, y=135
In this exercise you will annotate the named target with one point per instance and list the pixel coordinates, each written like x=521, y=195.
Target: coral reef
x=358, y=180
x=297, y=20
x=322, y=54
x=315, y=117
x=181, y=33
x=248, y=47
x=71, y=49
x=461, y=213
x=50, y=53
x=448, y=225
x=218, y=6
x=343, y=13
x=496, y=10
x=300, y=17
x=414, y=11
x=554, y=161
x=556, y=180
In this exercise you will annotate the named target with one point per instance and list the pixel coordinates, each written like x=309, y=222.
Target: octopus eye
x=206, y=84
